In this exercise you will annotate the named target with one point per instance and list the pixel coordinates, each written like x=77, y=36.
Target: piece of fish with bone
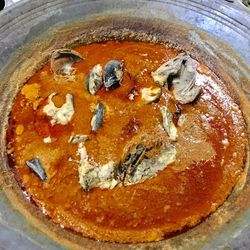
x=180, y=73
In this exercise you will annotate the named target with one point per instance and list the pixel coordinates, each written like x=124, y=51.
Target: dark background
x=2, y=4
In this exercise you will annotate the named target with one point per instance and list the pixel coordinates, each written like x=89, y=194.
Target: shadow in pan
x=2, y=4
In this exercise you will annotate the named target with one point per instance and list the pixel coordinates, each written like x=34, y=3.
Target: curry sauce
x=210, y=148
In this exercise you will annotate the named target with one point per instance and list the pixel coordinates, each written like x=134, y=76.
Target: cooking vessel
x=217, y=33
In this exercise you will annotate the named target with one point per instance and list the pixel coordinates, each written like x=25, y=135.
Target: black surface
x=2, y=4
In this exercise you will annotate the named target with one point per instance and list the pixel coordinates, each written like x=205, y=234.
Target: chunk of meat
x=180, y=72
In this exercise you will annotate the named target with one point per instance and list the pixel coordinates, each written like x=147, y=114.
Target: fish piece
x=151, y=94
x=184, y=88
x=130, y=162
x=60, y=115
x=135, y=168
x=78, y=138
x=94, y=80
x=168, y=123
x=149, y=167
x=91, y=175
x=97, y=119
x=180, y=72
x=36, y=165
x=62, y=61
x=97, y=176
x=182, y=119
x=82, y=152
x=113, y=72
x=169, y=68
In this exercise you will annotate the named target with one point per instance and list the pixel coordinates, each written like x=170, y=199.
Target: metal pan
x=217, y=34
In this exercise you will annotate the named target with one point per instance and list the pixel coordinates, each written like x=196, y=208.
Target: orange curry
x=210, y=149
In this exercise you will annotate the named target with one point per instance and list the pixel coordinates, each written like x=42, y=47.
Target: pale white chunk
x=60, y=115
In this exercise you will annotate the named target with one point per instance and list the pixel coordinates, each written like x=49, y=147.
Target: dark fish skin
x=97, y=118
x=113, y=72
x=36, y=165
x=129, y=164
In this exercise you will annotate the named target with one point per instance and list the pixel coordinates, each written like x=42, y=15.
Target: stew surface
x=210, y=148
